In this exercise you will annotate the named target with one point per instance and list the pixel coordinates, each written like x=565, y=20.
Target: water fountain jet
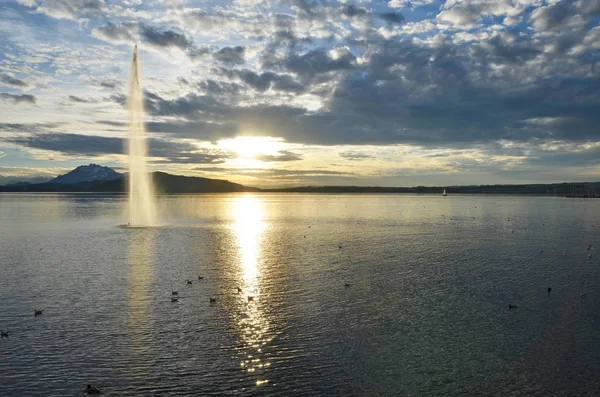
x=142, y=207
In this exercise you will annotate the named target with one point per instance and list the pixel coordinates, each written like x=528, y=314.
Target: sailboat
x=444, y=193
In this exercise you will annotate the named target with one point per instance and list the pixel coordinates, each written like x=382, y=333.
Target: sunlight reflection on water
x=248, y=228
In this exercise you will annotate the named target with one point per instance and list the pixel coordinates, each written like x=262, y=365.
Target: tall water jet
x=142, y=208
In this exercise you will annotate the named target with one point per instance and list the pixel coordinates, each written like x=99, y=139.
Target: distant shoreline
x=179, y=184
x=276, y=191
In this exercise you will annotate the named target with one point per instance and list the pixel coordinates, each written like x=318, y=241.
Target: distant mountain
x=12, y=180
x=87, y=173
x=18, y=184
x=164, y=184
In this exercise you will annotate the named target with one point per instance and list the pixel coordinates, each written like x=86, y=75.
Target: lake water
x=426, y=313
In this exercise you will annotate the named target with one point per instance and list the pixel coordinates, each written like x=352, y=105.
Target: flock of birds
x=175, y=294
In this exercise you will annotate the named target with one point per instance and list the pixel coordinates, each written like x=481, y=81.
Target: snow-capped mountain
x=88, y=173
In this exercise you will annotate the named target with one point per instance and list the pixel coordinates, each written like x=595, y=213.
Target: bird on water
x=37, y=313
x=90, y=389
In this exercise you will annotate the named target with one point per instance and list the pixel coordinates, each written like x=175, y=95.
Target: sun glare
x=250, y=147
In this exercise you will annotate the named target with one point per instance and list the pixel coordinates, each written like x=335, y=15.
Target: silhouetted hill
x=170, y=184
x=164, y=183
x=167, y=183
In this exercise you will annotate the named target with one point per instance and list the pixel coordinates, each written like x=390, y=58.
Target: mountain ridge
x=87, y=173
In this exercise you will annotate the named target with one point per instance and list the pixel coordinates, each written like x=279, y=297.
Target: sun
x=250, y=147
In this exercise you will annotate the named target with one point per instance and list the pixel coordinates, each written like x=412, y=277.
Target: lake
x=425, y=312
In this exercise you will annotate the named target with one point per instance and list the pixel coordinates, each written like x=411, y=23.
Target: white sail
x=444, y=194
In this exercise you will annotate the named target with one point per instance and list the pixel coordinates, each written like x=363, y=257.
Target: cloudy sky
x=294, y=92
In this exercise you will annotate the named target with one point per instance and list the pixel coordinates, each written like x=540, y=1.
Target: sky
x=275, y=93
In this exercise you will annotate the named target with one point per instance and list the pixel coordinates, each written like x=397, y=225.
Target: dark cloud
x=195, y=52
x=164, y=38
x=29, y=127
x=355, y=156
x=391, y=17
x=286, y=37
x=93, y=145
x=260, y=82
x=198, y=156
x=157, y=37
x=19, y=98
x=549, y=17
x=266, y=80
x=231, y=55
x=11, y=80
x=74, y=98
x=112, y=123
x=553, y=16
x=190, y=106
x=185, y=113
x=305, y=6
x=319, y=61
x=74, y=144
x=111, y=32
x=121, y=99
x=111, y=84
x=327, y=12
x=505, y=47
x=288, y=84
x=221, y=90
x=353, y=11
x=284, y=155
